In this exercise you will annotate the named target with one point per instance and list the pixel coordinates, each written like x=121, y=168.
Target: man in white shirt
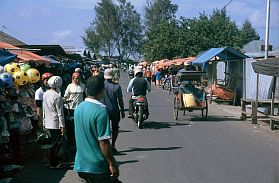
x=74, y=94
x=75, y=91
x=53, y=116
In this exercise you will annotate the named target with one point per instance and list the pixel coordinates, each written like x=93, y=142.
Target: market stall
x=234, y=72
x=268, y=67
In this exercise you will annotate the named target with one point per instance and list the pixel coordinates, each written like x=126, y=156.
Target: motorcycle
x=140, y=110
x=131, y=74
x=166, y=84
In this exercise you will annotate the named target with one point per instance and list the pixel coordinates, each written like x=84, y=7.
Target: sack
x=189, y=100
x=44, y=138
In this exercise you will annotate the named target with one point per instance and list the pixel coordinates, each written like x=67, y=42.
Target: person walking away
x=53, y=116
x=39, y=109
x=148, y=74
x=154, y=71
x=159, y=77
x=94, y=161
x=137, y=86
x=113, y=99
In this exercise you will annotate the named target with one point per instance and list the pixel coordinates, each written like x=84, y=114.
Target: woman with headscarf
x=53, y=115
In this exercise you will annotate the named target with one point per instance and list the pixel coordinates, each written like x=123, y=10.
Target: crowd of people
x=86, y=111
x=96, y=106
x=160, y=76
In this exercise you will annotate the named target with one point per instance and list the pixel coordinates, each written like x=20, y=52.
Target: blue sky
x=63, y=21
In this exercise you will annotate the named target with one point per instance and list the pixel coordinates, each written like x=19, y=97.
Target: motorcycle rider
x=138, y=86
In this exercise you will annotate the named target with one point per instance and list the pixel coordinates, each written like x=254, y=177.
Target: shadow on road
x=151, y=149
x=34, y=171
x=126, y=162
x=160, y=125
x=124, y=131
x=216, y=119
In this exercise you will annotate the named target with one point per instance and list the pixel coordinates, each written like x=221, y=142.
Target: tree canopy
x=117, y=29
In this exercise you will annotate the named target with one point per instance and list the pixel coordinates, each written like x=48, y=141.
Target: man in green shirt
x=94, y=161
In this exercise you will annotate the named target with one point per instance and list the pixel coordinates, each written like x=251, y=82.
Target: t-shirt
x=138, y=86
x=39, y=94
x=53, y=113
x=91, y=126
x=113, y=92
x=75, y=94
x=39, y=97
x=158, y=75
x=148, y=73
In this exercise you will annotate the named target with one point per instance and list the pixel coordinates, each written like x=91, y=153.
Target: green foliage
x=88, y=55
x=159, y=11
x=192, y=36
x=116, y=29
x=129, y=33
x=84, y=53
x=246, y=34
x=106, y=23
x=92, y=40
x=162, y=41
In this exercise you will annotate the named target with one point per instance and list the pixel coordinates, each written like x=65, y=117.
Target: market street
x=222, y=149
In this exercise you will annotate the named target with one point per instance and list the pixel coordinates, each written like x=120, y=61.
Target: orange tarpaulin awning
x=180, y=61
x=23, y=55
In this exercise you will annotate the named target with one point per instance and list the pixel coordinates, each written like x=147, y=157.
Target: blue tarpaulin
x=6, y=57
x=223, y=54
x=52, y=60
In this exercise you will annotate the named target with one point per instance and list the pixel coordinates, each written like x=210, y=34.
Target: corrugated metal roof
x=22, y=55
x=6, y=38
x=223, y=54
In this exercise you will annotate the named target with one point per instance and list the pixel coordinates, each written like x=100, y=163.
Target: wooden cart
x=189, y=82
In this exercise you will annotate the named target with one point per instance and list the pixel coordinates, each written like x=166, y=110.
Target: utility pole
x=267, y=22
x=227, y=4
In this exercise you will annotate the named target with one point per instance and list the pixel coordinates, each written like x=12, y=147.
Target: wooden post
x=254, y=112
x=243, y=110
x=273, y=95
x=212, y=83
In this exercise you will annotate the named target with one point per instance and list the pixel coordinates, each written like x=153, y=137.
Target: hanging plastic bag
x=44, y=138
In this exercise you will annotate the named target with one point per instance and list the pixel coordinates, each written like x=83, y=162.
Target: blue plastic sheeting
x=6, y=57
x=224, y=54
x=52, y=60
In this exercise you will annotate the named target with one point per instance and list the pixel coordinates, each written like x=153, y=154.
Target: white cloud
x=25, y=11
x=33, y=10
x=61, y=35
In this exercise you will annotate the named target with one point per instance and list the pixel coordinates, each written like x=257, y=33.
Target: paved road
x=222, y=149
